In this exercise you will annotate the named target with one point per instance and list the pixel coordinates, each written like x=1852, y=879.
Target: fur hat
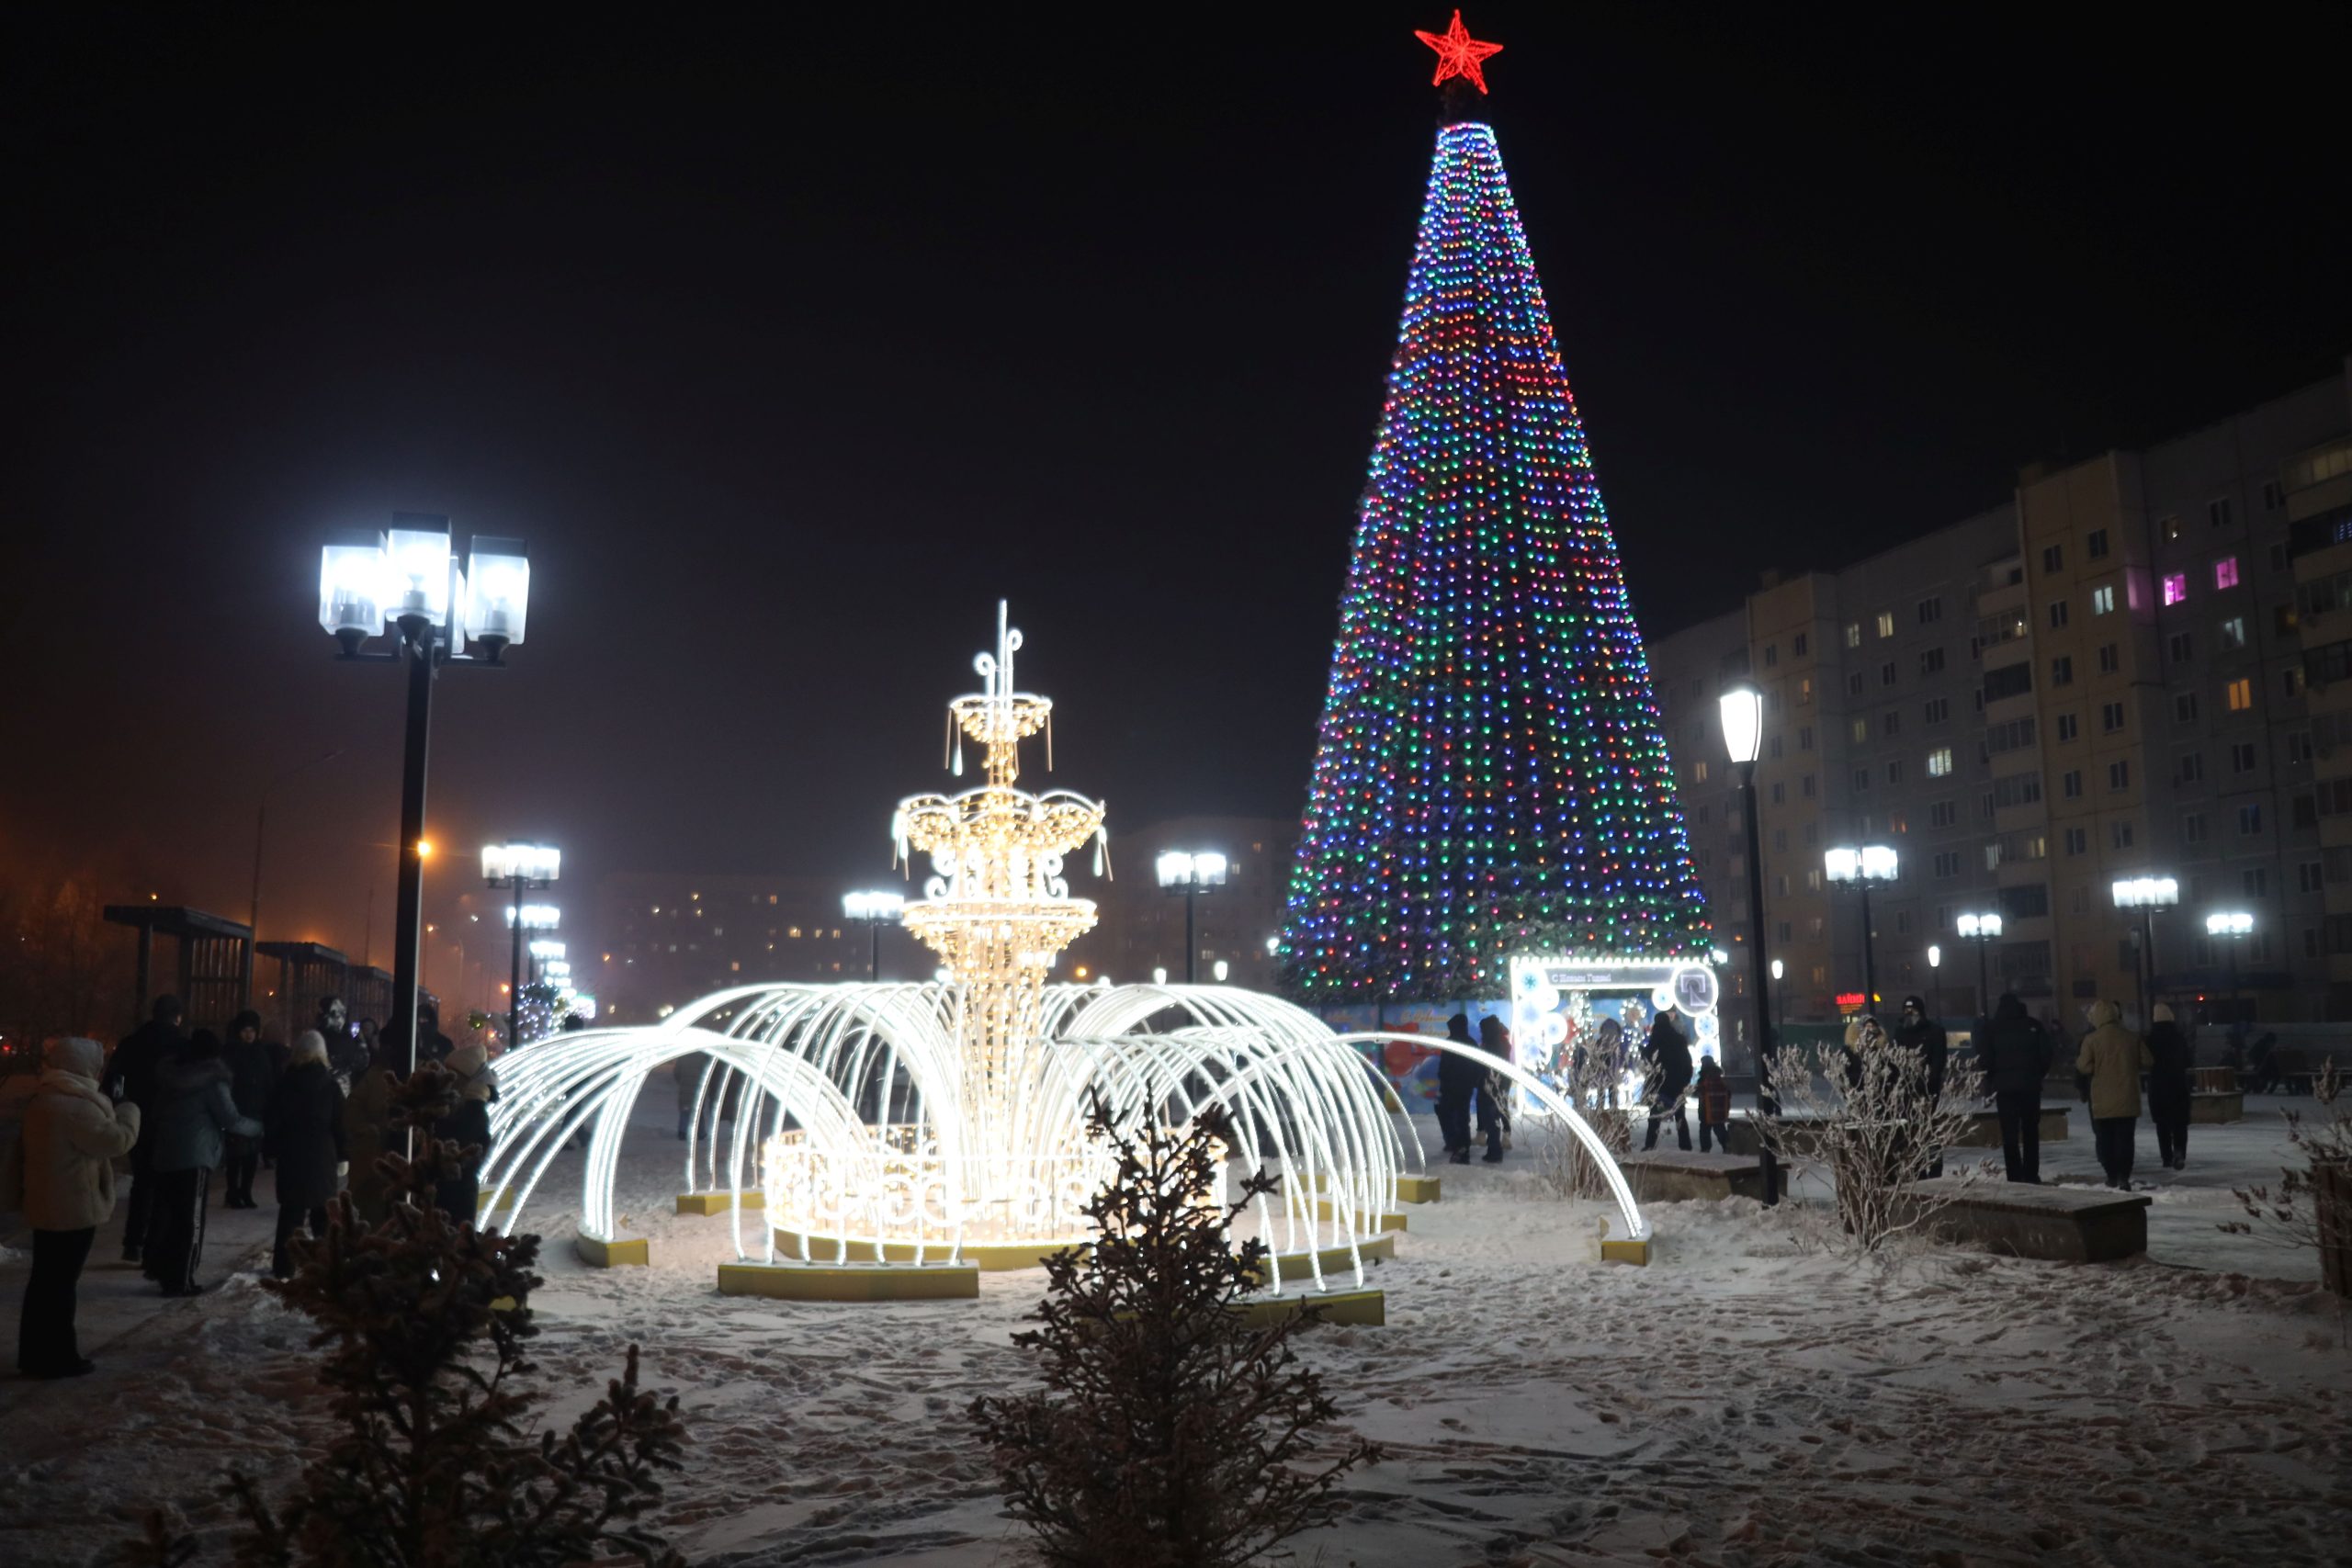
x=72, y=1053
x=470, y=1064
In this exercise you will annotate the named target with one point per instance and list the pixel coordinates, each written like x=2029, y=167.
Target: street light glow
x=1179, y=870
x=1743, y=714
x=535, y=917
x=2229, y=922
x=1980, y=928
x=873, y=905
x=2146, y=893
x=533, y=865
x=1871, y=863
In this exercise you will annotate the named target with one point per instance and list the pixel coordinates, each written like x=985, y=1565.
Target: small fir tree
x=1169, y=1433
x=425, y=1324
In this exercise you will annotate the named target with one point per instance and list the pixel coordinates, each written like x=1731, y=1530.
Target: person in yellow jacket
x=2113, y=1057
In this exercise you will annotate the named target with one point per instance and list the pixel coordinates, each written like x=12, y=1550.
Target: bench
x=1675, y=1175
x=2216, y=1106
x=1983, y=1129
x=2064, y=1224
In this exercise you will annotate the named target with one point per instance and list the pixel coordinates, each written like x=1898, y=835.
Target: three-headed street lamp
x=2230, y=928
x=406, y=582
x=522, y=868
x=1858, y=868
x=2146, y=895
x=1190, y=875
x=1984, y=930
x=874, y=910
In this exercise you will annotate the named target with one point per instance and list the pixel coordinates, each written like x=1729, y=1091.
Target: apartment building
x=1140, y=927
x=662, y=939
x=2128, y=671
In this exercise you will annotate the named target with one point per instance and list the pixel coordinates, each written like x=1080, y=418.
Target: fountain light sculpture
x=946, y=1121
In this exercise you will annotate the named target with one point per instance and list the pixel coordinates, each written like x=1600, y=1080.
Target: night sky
x=792, y=343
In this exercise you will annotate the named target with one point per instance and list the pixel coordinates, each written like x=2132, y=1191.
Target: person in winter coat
x=1668, y=1055
x=303, y=1132
x=2168, y=1090
x=130, y=1075
x=1494, y=1113
x=1458, y=1077
x=431, y=1045
x=1922, y=1035
x=1714, y=1106
x=468, y=1126
x=2014, y=1052
x=192, y=1124
x=251, y=1076
x=2114, y=1059
x=72, y=1135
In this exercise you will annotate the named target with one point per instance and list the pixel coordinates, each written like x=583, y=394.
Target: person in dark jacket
x=1916, y=1032
x=252, y=1075
x=468, y=1126
x=1494, y=1115
x=1458, y=1078
x=1714, y=1106
x=193, y=1121
x=431, y=1045
x=1668, y=1055
x=130, y=1075
x=2015, y=1053
x=2169, y=1049
x=303, y=1132
x=347, y=1054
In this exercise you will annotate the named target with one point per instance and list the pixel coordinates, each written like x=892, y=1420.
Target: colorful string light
x=1491, y=774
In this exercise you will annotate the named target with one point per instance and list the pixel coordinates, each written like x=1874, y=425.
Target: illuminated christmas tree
x=1491, y=776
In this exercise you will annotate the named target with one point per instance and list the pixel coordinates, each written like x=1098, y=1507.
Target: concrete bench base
x=2064, y=1224
x=718, y=1202
x=2217, y=1107
x=1983, y=1129
x=1675, y=1175
x=621, y=1252
x=1367, y=1309
x=850, y=1282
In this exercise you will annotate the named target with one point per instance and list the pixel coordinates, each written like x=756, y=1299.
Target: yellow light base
x=718, y=1202
x=1390, y=1221
x=625, y=1252
x=1624, y=1251
x=851, y=1282
x=1294, y=1267
x=989, y=1258
x=1417, y=1189
x=1365, y=1308
x=498, y=1197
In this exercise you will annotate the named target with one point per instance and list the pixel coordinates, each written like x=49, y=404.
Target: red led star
x=1458, y=54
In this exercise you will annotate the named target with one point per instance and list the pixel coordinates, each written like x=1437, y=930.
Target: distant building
x=665, y=939
x=2141, y=665
x=1141, y=928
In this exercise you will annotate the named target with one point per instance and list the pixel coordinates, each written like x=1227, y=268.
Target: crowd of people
x=177, y=1106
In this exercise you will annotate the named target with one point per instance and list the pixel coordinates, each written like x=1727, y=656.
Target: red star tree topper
x=1459, y=54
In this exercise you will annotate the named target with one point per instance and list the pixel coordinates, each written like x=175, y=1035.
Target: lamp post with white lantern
x=1984, y=930
x=1190, y=875
x=1859, y=868
x=406, y=582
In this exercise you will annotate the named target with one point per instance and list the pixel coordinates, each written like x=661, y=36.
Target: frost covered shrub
x=1874, y=1125
x=425, y=1324
x=1169, y=1433
x=2311, y=1205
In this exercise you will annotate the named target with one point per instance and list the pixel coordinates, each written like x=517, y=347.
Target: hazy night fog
x=790, y=343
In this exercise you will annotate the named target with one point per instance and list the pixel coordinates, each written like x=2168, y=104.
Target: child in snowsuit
x=1714, y=1105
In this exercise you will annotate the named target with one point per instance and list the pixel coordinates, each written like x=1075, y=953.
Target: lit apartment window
x=2225, y=572
x=1886, y=623
x=2103, y=600
x=1861, y=730
x=1853, y=634
x=1939, y=762
x=2240, y=694
x=2233, y=632
x=2175, y=587
x=1698, y=772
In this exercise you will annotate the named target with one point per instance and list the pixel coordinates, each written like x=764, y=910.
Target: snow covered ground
x=1740, y=1402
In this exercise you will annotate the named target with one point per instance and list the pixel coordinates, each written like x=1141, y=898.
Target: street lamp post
x=1984, y=930
x=1742, y=708
x=1190, y=875
x=2147, y=895
x=522, y=868
x=874, y=911
x=1859, y=868
x=407, y=582
x=2231, y=927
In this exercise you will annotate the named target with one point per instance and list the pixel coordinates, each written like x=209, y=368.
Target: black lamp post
x=406, y=582
x=1984, y=930
x=2147, y=895
x=1190, y=875
x=1859, y=868
x=2231, y=927
x=1742, y=708
x=873, y=911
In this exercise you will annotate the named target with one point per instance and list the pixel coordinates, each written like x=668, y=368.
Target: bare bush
x=1873, y=1124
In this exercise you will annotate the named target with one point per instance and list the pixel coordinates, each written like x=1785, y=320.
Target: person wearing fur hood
x=72, y=1135
x=2113, y=1057
x=468, y=1126
x=196, y=1118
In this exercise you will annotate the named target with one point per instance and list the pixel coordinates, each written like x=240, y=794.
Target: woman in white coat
x=73, y=1135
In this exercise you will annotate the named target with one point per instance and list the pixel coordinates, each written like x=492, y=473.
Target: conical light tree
x=1491, y=776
